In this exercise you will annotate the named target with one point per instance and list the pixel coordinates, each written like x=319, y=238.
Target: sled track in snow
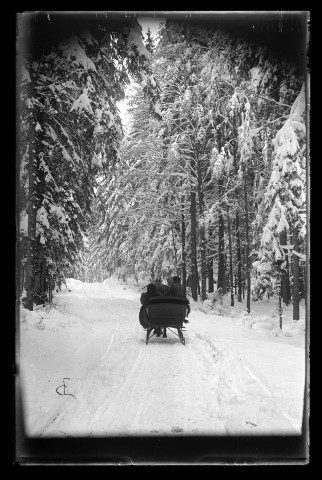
x=115, y=403
x=108, y=348
x=55, y=416
x=252, y=374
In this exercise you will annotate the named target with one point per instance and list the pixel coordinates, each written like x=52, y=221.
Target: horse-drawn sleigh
x=165, y=312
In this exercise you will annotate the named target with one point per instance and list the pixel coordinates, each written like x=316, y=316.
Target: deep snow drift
x=237, y=373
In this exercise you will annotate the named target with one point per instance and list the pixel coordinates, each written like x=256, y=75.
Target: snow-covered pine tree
x=70, y=130
x=206, y=89
x=285, y=197
x=133, y=228
x=150, y=41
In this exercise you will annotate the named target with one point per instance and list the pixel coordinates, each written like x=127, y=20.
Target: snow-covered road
x=227, y=379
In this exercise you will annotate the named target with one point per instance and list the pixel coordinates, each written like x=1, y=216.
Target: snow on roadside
x=253, y=376
x=263, y=317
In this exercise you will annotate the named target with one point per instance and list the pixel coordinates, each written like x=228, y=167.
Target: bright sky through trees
x=146, y=22
x=152, y=22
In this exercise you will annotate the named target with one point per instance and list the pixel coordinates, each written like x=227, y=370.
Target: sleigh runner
x=166, y=313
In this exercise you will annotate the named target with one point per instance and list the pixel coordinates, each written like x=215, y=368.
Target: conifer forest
x=209, y=178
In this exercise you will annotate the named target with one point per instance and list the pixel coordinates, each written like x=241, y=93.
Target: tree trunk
x=286, y=287
x=20, y=249
x=296, y=275
x=198, y=283
x=285, y=278
x=203, y=264
x=238, y=279
x=210, y=276
x=247, y=262
x=174, y=249
x=231, y=273
x=302, y=282
x=221, y=283
x=39, y=290
x=29, y=284
x=221, y=254
x=193, y=254
x=239, y=261
x=221, y=245
x=50, y=289
x=202, y=233
x=184, y=260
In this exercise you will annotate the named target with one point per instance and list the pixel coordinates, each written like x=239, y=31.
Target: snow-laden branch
x=285, y=194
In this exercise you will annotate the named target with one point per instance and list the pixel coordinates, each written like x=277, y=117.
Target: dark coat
x=144, y=299
x=143, y=317
x=176, y=290
x=162, y=289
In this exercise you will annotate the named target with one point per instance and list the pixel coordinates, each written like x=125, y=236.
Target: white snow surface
x=236, y=374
